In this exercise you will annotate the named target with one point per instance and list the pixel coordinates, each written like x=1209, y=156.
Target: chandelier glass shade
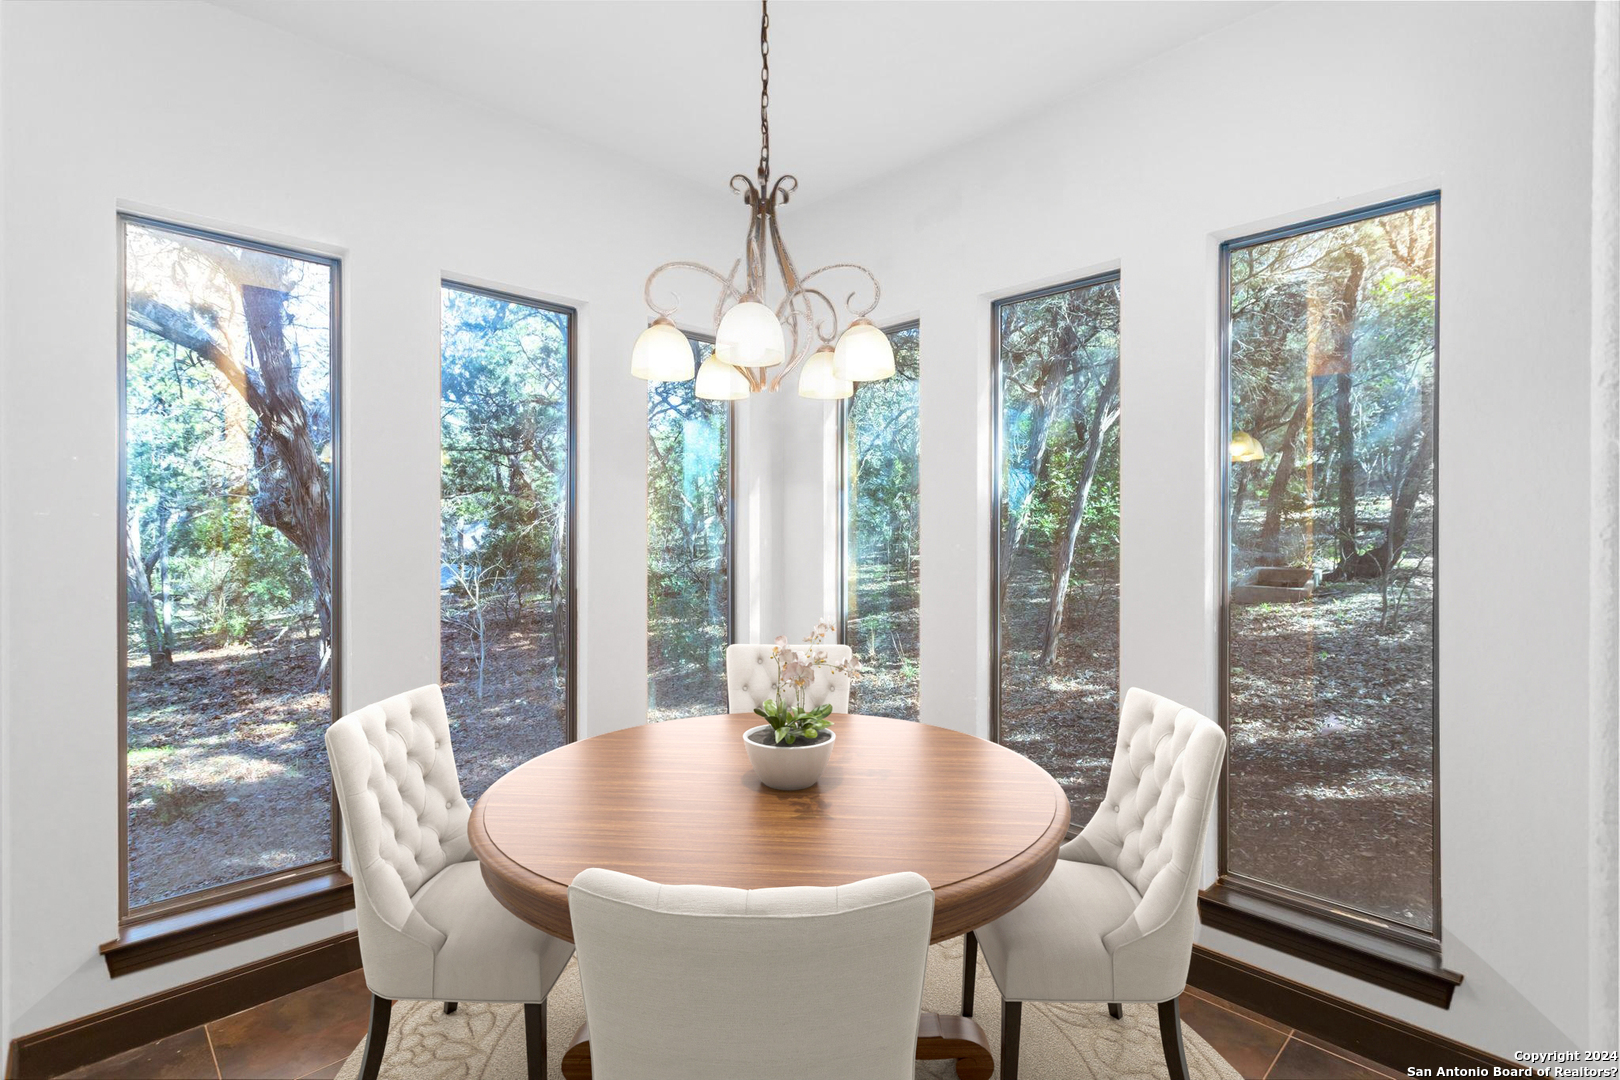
x=761, y=343
x=864, y=353
x=818, y=381
x=662, y=354
x=749, y=335
x=719, y=381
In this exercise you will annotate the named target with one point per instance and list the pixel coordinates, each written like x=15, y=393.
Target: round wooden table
x=678, y=803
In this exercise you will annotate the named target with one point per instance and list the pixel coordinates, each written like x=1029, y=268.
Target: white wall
x=190, y=111
x=1604, y=677
x=1299, y=111
x=1275, y=119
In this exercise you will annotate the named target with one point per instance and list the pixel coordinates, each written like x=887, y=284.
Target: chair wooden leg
x=1012, y=1014
x=449, y=1007
x=376, y=1037
x=534, y=1036
x=1175, y=1057
x=1115, y=1010
x=970, y=969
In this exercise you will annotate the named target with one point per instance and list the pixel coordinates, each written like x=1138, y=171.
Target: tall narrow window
x=689, y=546
x=229, y=374
x=1330, y=584
x=1056, y=593
x=506, y=529
x=879, y=549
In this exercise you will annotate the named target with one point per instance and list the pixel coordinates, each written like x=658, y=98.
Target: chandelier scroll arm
x=806, y=319
x=815, y=335
x=727, y=291
x=849, y=302
x=782, y=191
x=727, y=288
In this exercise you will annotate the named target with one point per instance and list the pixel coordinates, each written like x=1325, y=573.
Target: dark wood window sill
x=186, y=933
x=1404, y=968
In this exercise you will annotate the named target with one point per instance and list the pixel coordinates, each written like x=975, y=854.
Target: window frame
x=278, y=879
x=846, y=519
x=997, y=446
x=1345, y=916
x=731, y=511
x=510, y=296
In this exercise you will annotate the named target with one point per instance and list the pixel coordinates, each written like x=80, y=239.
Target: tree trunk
x=165, y=528
x=1242, y=494
x=1280, y=479
x=1347, y=468
x=140, y=593
x=292, y=494
x=1048, y=401
x=559, y=591
x=721, y=574
x=1342, y=322
x=1369, y=565
x=1104, y=415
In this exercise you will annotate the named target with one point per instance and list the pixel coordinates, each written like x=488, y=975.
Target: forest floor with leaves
x=228, y=774
x=1331, y=733
x=1065, y=718
x=686, y=656
x=227, y=766
x=1332, y=749
x=521, y=713
x=887, y=645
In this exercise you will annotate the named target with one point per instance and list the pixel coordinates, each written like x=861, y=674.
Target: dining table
x=677, y=802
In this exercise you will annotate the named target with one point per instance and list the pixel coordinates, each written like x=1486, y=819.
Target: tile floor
x=308, y=1034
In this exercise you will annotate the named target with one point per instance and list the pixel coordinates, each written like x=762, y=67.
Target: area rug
x=1060, y=1042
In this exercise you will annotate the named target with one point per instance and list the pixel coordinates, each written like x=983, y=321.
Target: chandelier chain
x=764, y=92
x=803, y=323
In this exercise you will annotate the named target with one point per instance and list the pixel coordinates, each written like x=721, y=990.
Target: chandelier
x=751, y=337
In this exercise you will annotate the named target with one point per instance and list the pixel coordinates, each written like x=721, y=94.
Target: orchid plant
x=794, y=673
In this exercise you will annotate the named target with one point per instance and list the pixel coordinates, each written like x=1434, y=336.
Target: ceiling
x=859, y=90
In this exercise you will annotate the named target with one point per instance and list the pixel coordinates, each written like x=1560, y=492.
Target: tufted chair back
x=751, y=677
x=698, y=982
x=405, y=820
x=1150, y=829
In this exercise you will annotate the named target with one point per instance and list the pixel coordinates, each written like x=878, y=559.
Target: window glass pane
x=882, y=559
x=688, y=548
x=228, y=483
x=504, y=514
x=1057, y=561
x=1330, y=613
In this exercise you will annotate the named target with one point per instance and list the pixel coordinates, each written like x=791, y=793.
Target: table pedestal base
x=938, y=1036
x=943, y=1036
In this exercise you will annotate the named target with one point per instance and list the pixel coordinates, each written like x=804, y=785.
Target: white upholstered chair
x=696, y=982
x=429, y=927
x=1115, y=921
x=751, y=677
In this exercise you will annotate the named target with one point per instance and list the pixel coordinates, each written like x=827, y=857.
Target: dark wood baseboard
x=1384, y=1039
x=136, y=1023
x=1390, y=1042
x=186, y=933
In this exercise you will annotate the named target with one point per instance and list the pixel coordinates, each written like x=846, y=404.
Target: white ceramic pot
x=787, y=768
